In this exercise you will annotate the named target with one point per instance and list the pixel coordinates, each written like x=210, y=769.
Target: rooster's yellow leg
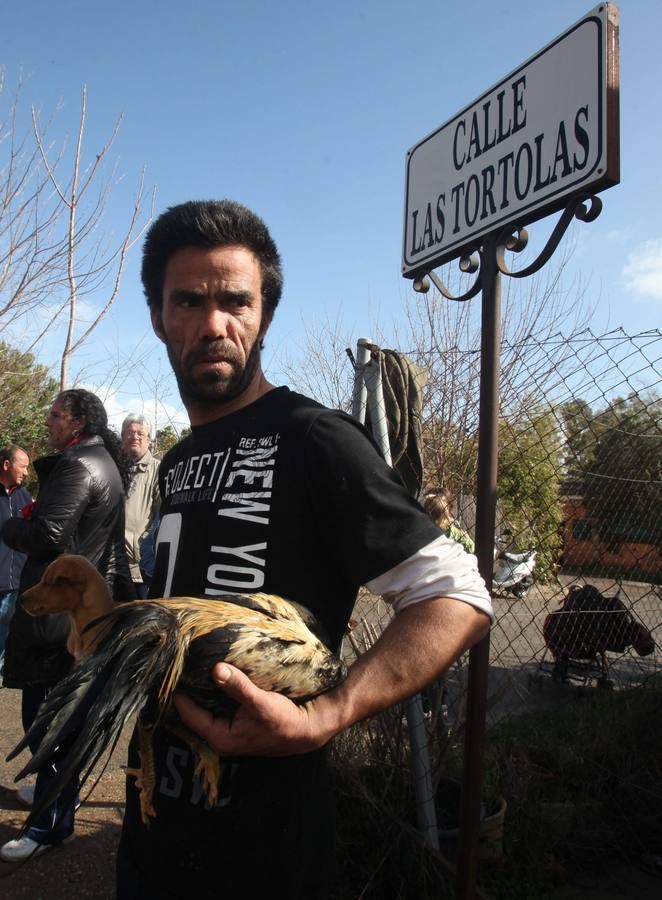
x=209, y=764
x=145, y=775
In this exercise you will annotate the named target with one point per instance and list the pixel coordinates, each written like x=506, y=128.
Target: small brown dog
x=71, y=584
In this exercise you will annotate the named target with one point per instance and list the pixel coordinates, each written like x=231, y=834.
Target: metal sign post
x=542, y=140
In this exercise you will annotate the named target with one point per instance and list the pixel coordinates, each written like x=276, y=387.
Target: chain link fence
x=581, y=484
x=577, y=584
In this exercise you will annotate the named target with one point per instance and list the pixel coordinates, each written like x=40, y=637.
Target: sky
x=304, y=111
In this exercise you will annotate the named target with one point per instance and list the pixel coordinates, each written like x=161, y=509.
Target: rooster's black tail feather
x=85, y=712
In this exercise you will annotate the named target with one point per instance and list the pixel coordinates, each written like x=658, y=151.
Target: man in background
x=143, y=500
x=14, y=464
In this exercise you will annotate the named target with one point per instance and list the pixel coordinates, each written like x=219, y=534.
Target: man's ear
x=157, y=323
x=264, y=326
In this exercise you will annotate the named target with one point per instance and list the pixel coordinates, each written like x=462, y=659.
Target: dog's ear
x=64, y=570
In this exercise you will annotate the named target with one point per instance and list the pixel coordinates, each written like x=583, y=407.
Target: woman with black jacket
x=79, y=509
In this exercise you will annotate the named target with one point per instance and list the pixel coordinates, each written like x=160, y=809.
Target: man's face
x=212, y=322
x=14, y=471
x=135, y=440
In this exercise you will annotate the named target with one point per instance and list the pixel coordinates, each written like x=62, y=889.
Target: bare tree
x=53, y=250
x=443, y=337
x=137, y=379
x=88, y=268
x=319, y=366
x=32, y=244
x=539, y=316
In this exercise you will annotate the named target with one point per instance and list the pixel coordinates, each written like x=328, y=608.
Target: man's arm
x=419, y=644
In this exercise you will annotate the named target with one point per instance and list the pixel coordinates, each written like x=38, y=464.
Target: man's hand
x=265, y=724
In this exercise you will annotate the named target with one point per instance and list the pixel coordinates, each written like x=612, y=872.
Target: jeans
x=141, y=589
x=56, y=822
x=7, y=606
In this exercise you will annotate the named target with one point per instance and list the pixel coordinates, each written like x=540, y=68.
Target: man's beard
x=214, y=387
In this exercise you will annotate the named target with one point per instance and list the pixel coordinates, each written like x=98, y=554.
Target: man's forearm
x=417, y=646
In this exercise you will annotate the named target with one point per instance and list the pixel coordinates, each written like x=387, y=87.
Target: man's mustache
x=219, y=348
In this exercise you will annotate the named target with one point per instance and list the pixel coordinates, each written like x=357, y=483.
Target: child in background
x=438, y=506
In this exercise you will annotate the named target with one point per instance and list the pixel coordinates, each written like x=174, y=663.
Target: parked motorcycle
x=512, y=572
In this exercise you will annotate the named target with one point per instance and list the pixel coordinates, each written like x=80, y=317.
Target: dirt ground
x=83, y=869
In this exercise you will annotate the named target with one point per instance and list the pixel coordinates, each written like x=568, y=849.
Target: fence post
x=368, y=386
x=360, y=392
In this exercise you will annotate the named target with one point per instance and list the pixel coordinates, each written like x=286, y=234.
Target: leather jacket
x=79, y=509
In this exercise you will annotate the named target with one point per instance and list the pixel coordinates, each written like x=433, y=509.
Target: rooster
x=145, y=650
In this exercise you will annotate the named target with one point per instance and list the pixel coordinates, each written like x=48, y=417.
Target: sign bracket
x=513, y=239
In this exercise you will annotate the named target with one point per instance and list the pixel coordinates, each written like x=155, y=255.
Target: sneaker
x=24, y=847
x=25, y=794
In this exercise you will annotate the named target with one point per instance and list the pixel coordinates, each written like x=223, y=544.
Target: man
x=14, y=464
x=143, y=499
x=272, y=492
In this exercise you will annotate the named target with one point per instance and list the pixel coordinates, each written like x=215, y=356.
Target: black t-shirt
x=287, y=497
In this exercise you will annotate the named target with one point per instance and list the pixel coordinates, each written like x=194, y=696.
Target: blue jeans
x=142, y=589
x=7, y=606
x=57, y=821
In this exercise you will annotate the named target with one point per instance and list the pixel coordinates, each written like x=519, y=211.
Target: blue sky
x=304, y=111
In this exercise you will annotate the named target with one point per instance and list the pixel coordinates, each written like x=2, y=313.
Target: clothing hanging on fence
x=402, y=385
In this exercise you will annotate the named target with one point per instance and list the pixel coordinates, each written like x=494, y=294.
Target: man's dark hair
x=8, y=453
x=207, y=224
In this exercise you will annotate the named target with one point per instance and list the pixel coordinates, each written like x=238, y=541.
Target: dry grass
x=583, y=785
x=381, y=854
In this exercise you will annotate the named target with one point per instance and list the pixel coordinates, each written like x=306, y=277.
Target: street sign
x=547, y=131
